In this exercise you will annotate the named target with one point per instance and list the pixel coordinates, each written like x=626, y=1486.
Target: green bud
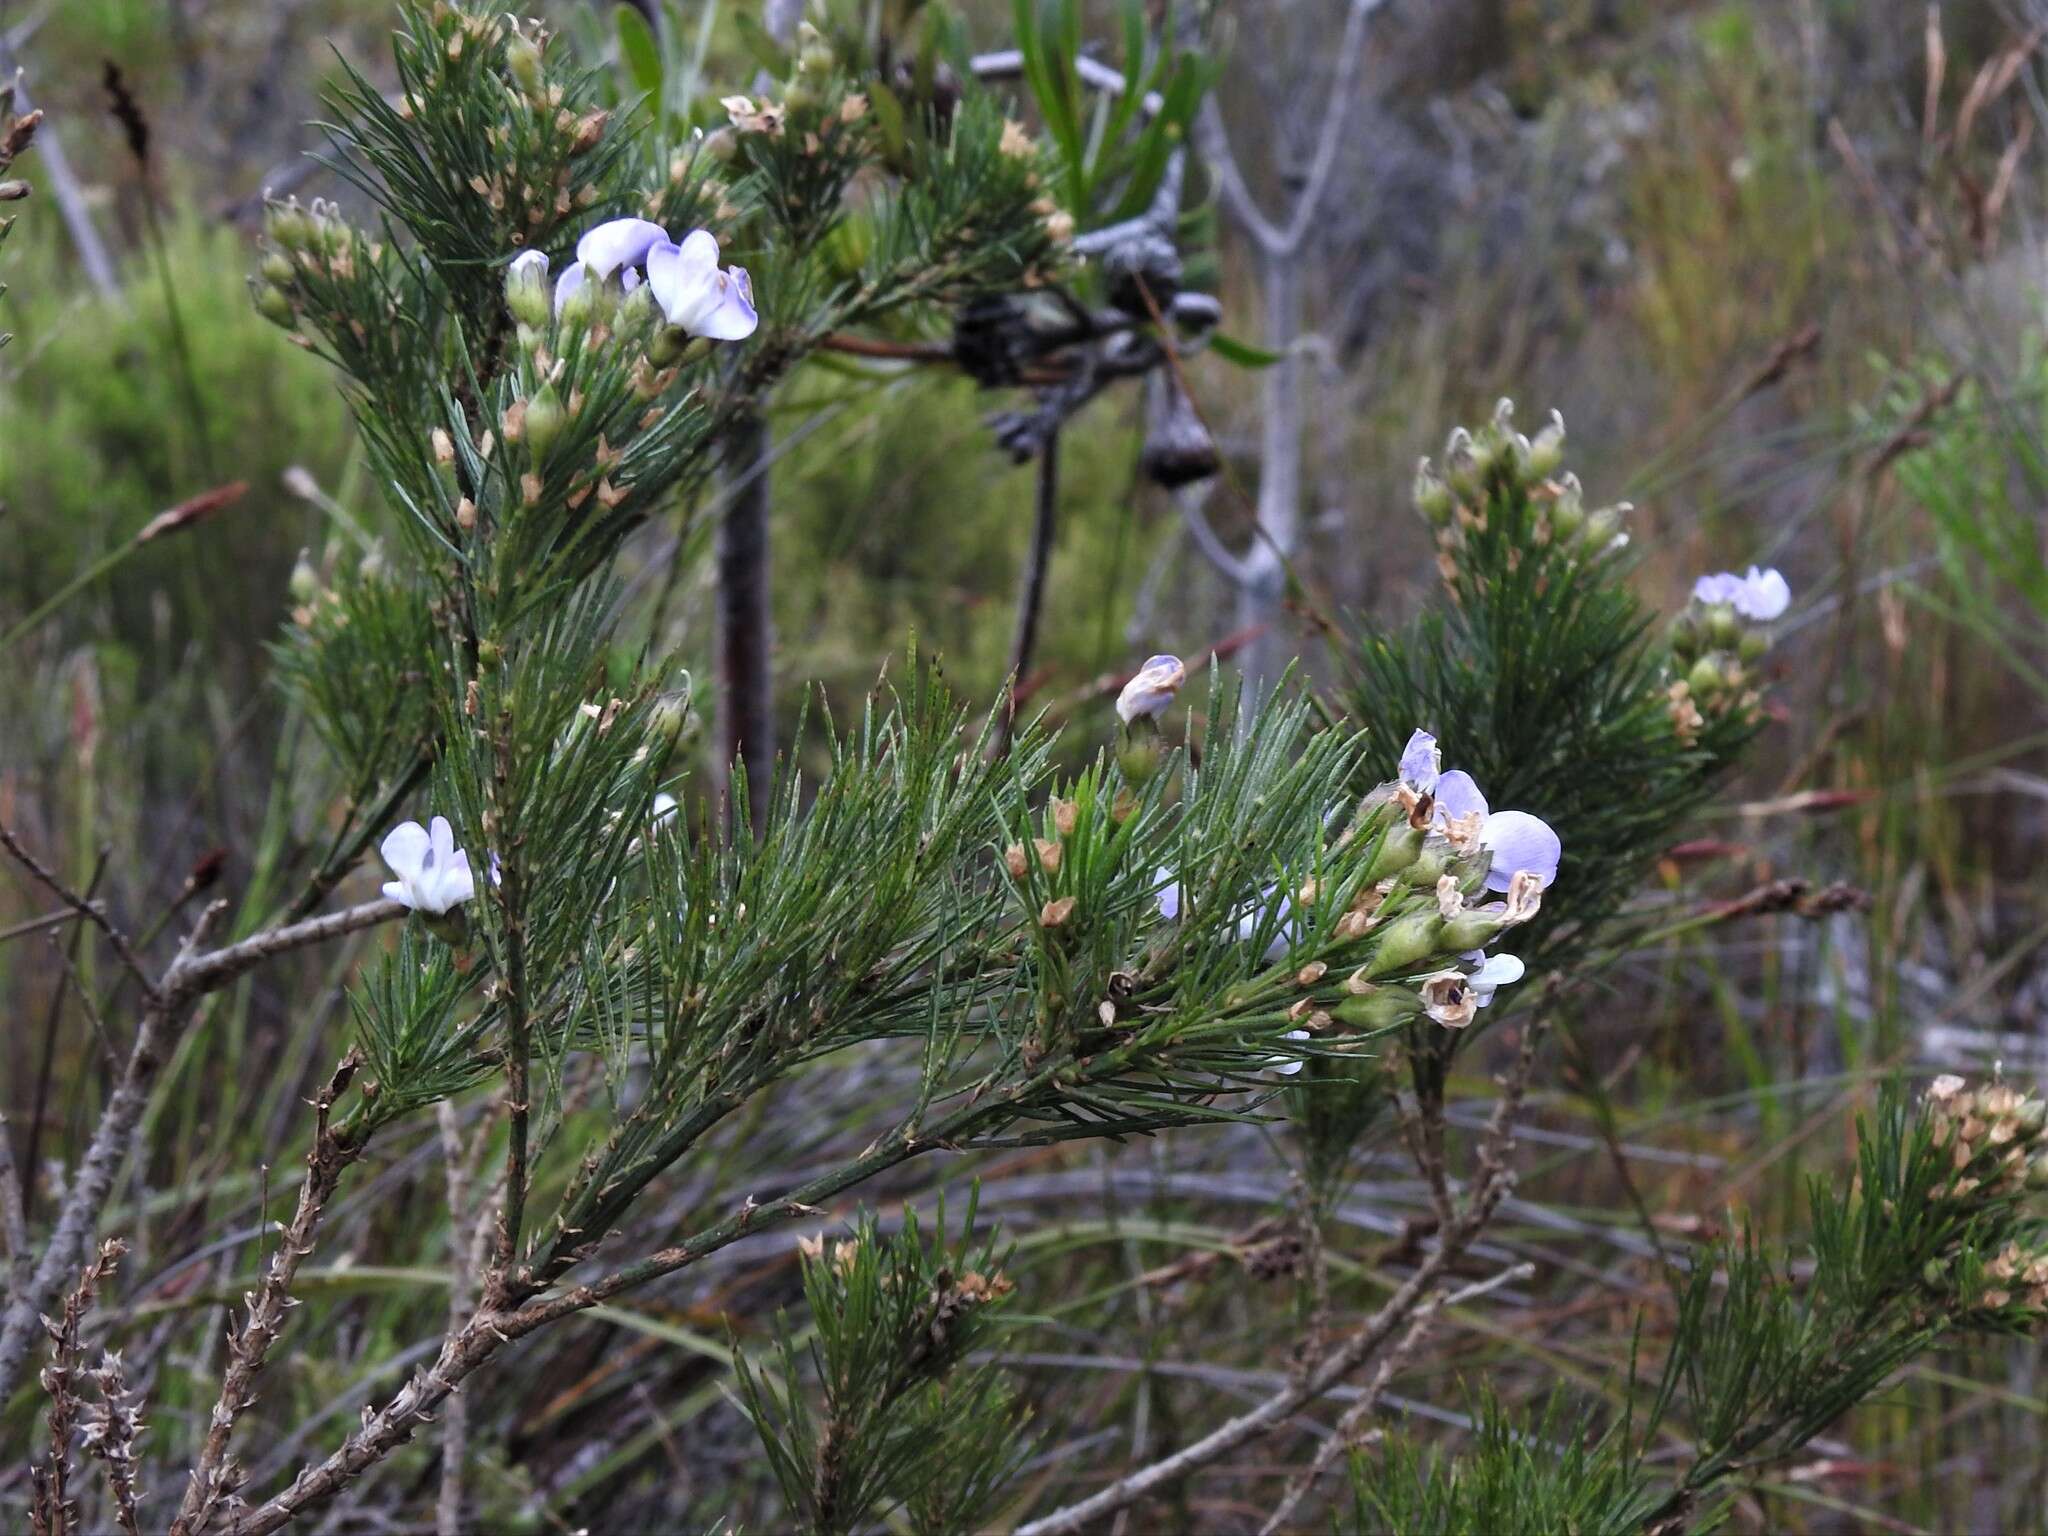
x=522, y=60
x=1405, y=943
x=277, y=268
x=544, y=420
x=1568, y=512
x=1381, y=1008
x=721, y=145
x=813, y=53
x=1723, y=628
x=639, y=314
x=667, y=345
x=2037, y=1173
x=1934, y=1275
x=1139, y=752
x=2031, y=1117
x=665, y=720
x=275, y=305
x=1600, y=530
x=304, y=585
x=1686, y=636
x=526, y=293
x=1546, y=451
x=799, y=95
x=288, y=225
x=1469, y=930
x=1705, y=678
x=1753, y=646
x=579, y=309
x=1399, y=848
x=489, y=653
x=1432, y=496
x=1431, y=866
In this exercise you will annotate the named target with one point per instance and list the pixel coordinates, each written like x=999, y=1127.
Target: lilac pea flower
x=1421, y=763
x=1494, y=971
x=696, y=295
x=1151, y=689
x=1520, y=843
x=1759, y=595
x=617, y=244
x=433, y=874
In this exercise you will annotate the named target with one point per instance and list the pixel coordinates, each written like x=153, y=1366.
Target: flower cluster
x=1520, y=853
x=1442, y=842
x=1716, y=642
x=622, y=258
x=1990, y=1132
x=1479, y=467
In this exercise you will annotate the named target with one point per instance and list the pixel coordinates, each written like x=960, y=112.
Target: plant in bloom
x=433, y=874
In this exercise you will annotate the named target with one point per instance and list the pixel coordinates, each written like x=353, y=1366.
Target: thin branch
x=1347, y=1436
x=217, y=1476
x=1031, y=595
x=1491, y=1184
x=190, y=976
x=91, y=911
x=461, y=1296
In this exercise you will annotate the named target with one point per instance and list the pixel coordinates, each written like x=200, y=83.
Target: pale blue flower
x=1519, y=840
x=617, y=244
x=1760, y=595
x=433, y=874
x=1151, y=689
x=695, y=294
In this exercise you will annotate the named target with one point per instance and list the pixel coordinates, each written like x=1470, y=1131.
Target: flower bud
x=1470, y=930
x=666, y=346
x=1377, y=1008
x=1753, y=646
x=2037, y=1173
x=1706, y=678
x=1432, y=496
x=1568, y=512
x=1723, y=628
x=288, y=225
x=1687, y=638
x=638, y=313
x=1429, y=867
x=275, y=305
x=1139, y=751
x=526, y=291
x=1546, y=451
x=813, y=53
x=721, y=145
x=278, y=269
x=544, y=421
x=1405, y=943
x=1601, y=530
x=522, y=61
x=1399, y=848
x=799, y=95
x=304, y=585
x=666, y=719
